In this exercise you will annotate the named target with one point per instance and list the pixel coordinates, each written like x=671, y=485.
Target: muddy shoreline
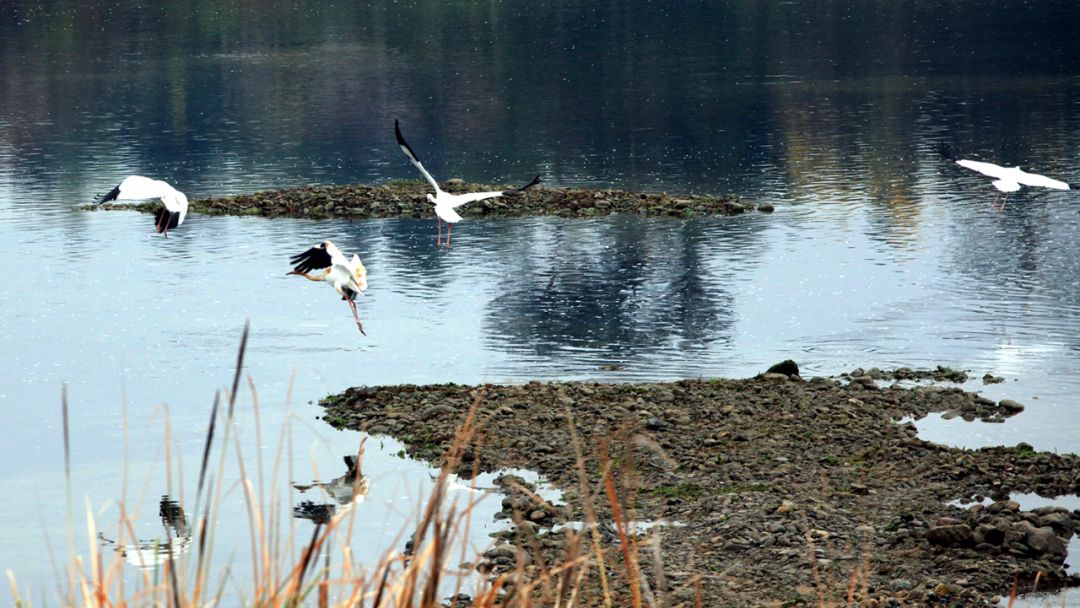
x=787, y=491
x=408, y=199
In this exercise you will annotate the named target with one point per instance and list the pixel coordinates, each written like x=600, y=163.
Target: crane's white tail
x=947, y=152
x=111, y=196
x=361, y=271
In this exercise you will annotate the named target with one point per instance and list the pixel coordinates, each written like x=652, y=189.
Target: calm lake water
x=879, y=253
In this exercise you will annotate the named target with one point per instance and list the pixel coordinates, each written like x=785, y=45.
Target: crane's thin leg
x=359, y=325
x=448, y=227
x=438, y=240
x=993, y=205
x=307, y=276
x=1003, y=201
x=168, y=220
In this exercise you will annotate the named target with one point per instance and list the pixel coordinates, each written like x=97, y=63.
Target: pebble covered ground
x=786, y=491
x=408, y=199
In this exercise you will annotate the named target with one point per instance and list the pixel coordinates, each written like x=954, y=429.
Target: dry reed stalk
x=70, y=518
x=589, y=507
x=14, y=588
x=414, y=586
x=624, y=542
x=814, y=565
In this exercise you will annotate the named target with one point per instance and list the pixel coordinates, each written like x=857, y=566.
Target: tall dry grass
x=185, y=569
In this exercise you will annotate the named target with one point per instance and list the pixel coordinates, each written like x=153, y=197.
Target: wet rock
x=1045, y=541
x=786, y=367
x=501, y=551
x=1059, y=519
x=990, y=533
x=865, y=382
x=951, y=536
x=1010, y=407
x=742, y=455
x=407, y=199
x=437, y=410
x=900, y=585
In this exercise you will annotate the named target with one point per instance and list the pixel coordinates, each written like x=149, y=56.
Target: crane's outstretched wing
x=986, y=168
x=1034, y=179
x=315, y=258
x=461, y=199
x=412, y=157
x=110, y=196
x=468, y=197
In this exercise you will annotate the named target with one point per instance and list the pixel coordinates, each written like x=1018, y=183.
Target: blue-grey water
x=878, y=254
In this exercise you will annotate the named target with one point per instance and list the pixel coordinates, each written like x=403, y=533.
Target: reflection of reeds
x=284, y=575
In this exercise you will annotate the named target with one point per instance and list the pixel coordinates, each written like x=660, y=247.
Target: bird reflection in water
x=347, y=490
x=148, y=554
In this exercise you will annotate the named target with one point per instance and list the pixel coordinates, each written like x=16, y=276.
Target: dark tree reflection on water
x=635, y=288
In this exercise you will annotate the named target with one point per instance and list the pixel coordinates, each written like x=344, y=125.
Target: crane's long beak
x=291, y=272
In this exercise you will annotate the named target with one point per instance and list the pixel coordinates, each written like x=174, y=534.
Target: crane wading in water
x=446, y=203
x=139, y=188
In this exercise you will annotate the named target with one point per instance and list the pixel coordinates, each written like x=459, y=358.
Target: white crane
x=347, y=277
x=139, y=188
x=1006, y=179
x=445, y=203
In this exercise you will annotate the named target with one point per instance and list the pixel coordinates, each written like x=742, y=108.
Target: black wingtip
x=111, y=196
x=947, y=152
x=535, y=180
x=404, y=145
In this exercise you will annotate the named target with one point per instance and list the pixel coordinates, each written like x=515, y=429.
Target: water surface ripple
x=879, y=254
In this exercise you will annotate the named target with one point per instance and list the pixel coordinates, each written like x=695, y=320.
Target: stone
x=1010, y=407
x=951, y=536
x=1060, y=521
x=900, y=585
x=865, y=382
x=1044, y=541
x=436, y=410
x=502, y=551
x=786, y=367
x=655, y=424
x=991, y=534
